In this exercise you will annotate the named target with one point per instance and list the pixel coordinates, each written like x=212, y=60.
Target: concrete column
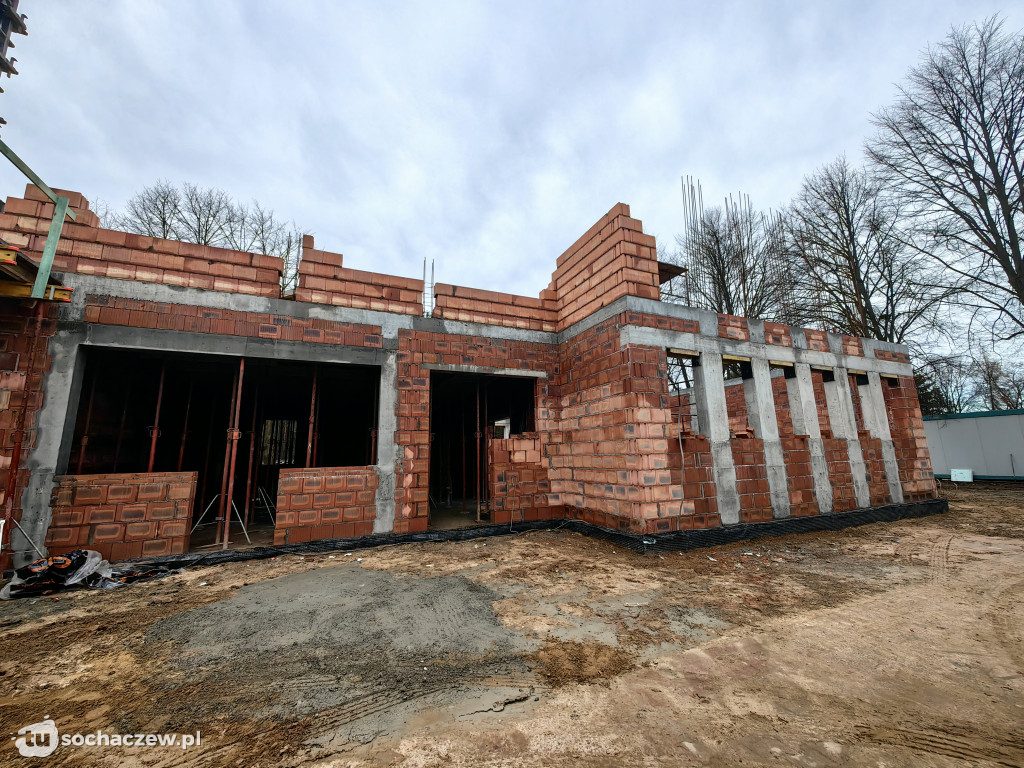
x=713, y=422
x=761, y=414
x=386, y=456
x=876, y=421
x=844, y=426
x=803, y=409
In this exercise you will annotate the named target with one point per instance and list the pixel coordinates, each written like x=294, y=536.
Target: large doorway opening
x=467, y=410
x=235, y=421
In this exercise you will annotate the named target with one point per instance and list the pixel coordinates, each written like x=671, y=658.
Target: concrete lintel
x=761, y=414
x=390, y=323
x=876, y=418
x=803, y=410
x=520, y=372
x=713, y=422
x=121, y=337
x=657, y=337
x=844, y=426
x=388, y=453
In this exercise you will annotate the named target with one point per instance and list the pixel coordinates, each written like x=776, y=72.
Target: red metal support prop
x=316, y=432
x=233, y=434
x=252, y=454
x=19, y=431
x=184, y=429
x=463, y=437
x=478, y=451
x=88, y=424
x=312, y=411
x=120, y=428
x=227, y=458
x=154, y=431
x=206, y=463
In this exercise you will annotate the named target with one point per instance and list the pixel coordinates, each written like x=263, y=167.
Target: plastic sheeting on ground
x=82, y=567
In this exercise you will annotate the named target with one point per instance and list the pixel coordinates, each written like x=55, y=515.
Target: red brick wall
x=751, y=479
x=874, y=464
x=323, y=280
x=519, y=484
x=122, y=516
x=778, y=334
x=838, y=458
x=24, y=361
x=699, y=490
x=417, y=349
x=613, y=259
x=907, y=427
x=800, y=477
x=87, y=249
x=852, y=346
x=108, y=310
x=619, y=464
x=816, y=339
x=732, y=327
x=325, y=503
x=455, y=302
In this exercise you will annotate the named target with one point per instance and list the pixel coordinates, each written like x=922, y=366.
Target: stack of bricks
x=839, y=474
x=751, y=480
x=107, y=310
x=736, y=407
x=454, y=302
x=700, y=505
x=418, y=349
x=733, y=327
x=122, y=516
x=519, y=487
x=325, y=503
x=613, y=259
x=778, y=334
x=323, y=280
x=817, y=340
x=24, y=360
x=890, y=356
x=852, y=346
x=783, y=415
x=87, y=249
x=799, y=475
x=874, y=464
x=911, y=446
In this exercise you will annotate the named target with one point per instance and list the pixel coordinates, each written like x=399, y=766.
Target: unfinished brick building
x=179, y=391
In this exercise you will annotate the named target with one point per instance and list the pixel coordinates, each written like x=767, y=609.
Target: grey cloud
x=487, y=136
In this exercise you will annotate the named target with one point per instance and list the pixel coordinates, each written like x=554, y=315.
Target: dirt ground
x=894, y=644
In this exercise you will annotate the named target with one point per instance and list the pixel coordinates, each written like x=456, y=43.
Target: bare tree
x=733, y=258
x=858, y=275
x=953, y=144
x=208, y=216
x=254, y=228
x=946, y=384
x=203, y=215
x=999, y=384
x=154, y=211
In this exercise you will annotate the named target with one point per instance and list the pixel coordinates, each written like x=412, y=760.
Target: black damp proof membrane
x=676, y=541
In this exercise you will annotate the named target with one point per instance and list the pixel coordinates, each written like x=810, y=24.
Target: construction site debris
x=81, y=567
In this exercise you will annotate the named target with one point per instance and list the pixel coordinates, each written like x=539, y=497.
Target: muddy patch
x=342, y=644
x=561, y=663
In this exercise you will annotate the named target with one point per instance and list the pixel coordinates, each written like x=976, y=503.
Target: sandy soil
x=888, y=645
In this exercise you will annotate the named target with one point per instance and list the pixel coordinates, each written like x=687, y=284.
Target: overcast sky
x=485, y=136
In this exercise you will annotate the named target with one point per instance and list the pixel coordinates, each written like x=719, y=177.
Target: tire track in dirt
x=950, y=741
x=1006, y=616
x=938, y=559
